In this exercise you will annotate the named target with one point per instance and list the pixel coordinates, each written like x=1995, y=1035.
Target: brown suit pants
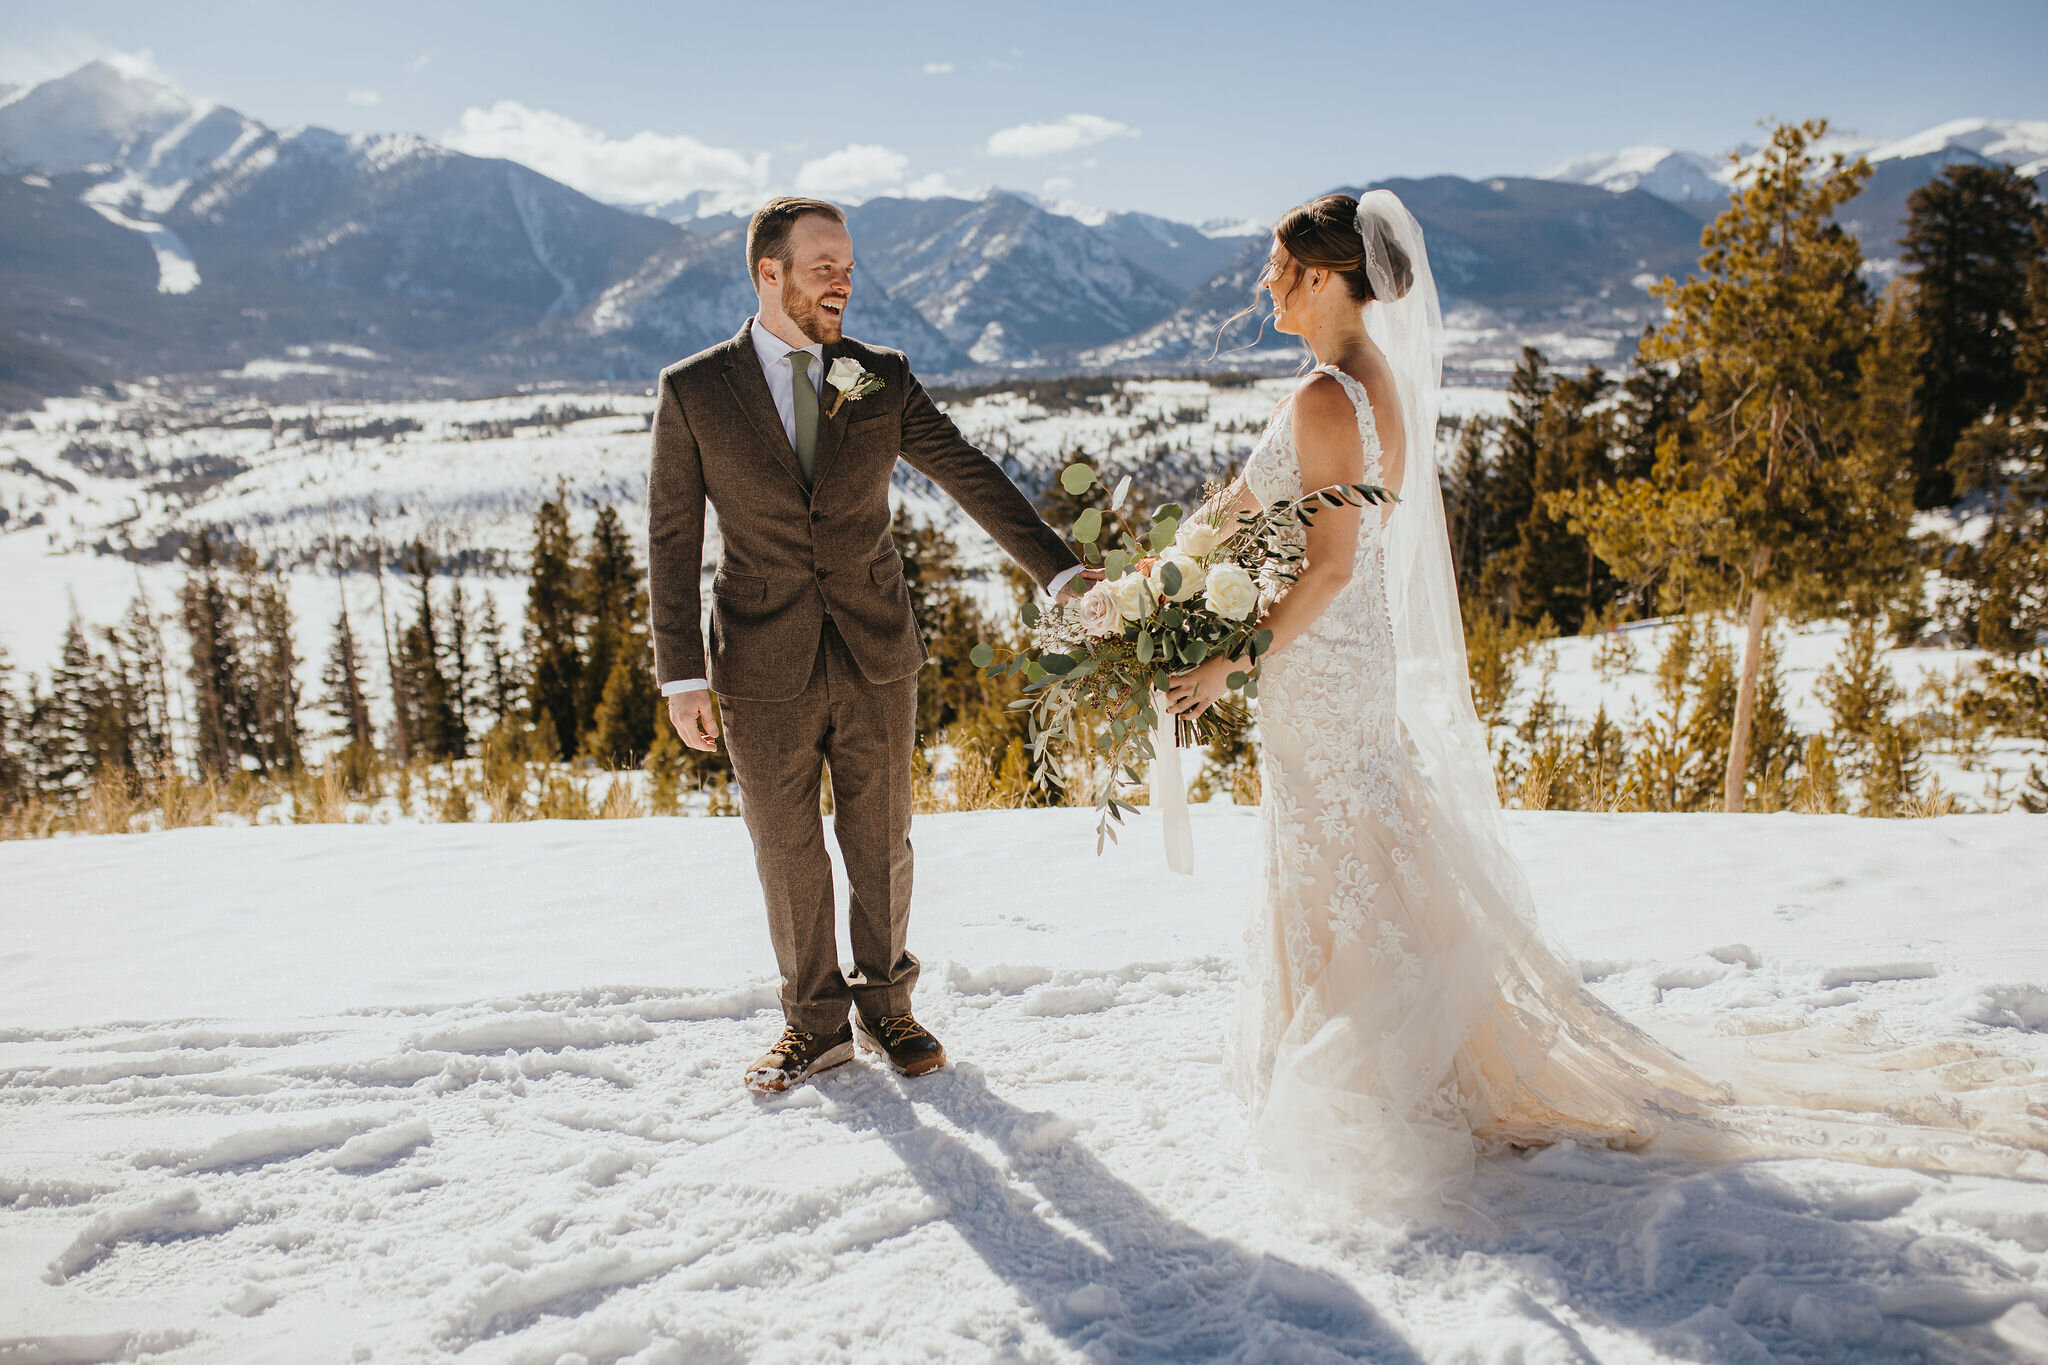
x=867, y=733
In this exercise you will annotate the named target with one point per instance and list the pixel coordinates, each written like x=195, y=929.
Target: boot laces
x=898, y=1029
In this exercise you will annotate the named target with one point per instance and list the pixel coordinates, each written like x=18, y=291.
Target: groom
x=791, y=431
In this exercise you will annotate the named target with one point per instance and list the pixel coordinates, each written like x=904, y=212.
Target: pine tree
x=136, y=649
x=2008, y=571
x=1511, y=486
x=553, y=642
x=499, y=680
x=222, y=695
x=611, y=584
x=1557, y=574
x=74, y=742
x=14, y=758
x=1779, y=504
x=1655, y=404
x=624, y=728
x=425, y=692
x=665, y=770
x=465, y=681
x=1869, y=745
x=1969, y=235
x=1886, y=425
x=274, y=670
x=1464, y=491
x=401, y=731
x=343, y=678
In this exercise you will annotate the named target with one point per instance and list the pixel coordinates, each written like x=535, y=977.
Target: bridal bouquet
x=1188, y=591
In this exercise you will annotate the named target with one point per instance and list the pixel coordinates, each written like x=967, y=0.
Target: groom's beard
x=819, y=324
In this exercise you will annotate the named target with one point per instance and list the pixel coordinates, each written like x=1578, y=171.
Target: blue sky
x=1193, y=110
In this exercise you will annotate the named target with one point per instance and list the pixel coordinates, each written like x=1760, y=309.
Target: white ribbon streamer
x=1170, y=794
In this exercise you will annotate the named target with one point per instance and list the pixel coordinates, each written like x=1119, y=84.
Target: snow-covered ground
x=421, y=1092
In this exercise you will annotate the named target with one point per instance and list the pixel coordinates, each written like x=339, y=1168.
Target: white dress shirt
x=781, y=377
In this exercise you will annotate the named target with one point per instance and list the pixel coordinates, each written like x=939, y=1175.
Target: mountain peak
x=96, y=115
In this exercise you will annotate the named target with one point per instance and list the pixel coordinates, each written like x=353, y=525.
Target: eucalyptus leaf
x=1088, y=526
x=1162, y=533
x=1237, y=681
x=981, y=655
x=1169, y=579
x=1123, y=488
x=1144, y=646
x=1194, y=651
x=1028, y=613
x=1059, y=665
x=1077, y=479
x=1263, y=641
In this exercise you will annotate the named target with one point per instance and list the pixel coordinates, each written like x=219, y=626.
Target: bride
x=1401, y=1012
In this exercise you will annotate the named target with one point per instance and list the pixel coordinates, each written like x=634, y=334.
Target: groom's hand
x=695, y=718
x=1087, y=578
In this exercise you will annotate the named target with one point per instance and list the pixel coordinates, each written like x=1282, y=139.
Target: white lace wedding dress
x=1401, y=1012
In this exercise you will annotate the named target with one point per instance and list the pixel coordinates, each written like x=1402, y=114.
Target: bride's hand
x=1201, y=687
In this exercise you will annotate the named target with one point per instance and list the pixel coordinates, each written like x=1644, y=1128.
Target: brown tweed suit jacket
x=792, y=555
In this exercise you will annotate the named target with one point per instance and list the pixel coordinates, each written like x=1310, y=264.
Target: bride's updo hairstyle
x=1323, y=235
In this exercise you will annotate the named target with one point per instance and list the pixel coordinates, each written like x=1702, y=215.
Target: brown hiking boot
x=797, y=1056
x=907, y=1044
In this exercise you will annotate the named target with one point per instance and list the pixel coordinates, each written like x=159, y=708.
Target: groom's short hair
x=768, y=233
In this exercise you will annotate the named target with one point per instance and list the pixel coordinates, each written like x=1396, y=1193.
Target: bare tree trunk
x=1745, y=701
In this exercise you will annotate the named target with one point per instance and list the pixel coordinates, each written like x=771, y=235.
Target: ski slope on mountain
x=407, y=1093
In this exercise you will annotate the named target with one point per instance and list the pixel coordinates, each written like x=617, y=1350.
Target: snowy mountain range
x=151, y=233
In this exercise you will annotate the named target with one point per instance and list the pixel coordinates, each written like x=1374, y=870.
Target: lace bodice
x=1351, y=641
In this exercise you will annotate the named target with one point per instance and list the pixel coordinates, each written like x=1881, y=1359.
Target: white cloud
x=855, y=170
x=368, y=99
x=1049, y=139
x=938, y=68
x=645, y=168
x=936, y=186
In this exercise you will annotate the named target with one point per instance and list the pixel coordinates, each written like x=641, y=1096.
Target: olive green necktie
x=806, y=396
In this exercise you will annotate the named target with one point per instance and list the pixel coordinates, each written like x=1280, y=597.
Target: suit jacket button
x=821, y=573
x=817, y=516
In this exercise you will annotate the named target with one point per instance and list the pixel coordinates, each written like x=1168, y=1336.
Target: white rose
x=1132, y=595
x=844, y=374
x=1098, y=612
x=1230, y=592
x=1197, y=538
x=1191, y=575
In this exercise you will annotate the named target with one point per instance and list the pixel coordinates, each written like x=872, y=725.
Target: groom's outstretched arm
x=675, y=542
x=936, y=449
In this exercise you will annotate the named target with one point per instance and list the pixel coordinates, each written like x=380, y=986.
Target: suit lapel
x=830, y=429
x=750, y=390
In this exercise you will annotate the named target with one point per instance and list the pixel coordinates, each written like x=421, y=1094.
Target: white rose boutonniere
x=852, y=382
